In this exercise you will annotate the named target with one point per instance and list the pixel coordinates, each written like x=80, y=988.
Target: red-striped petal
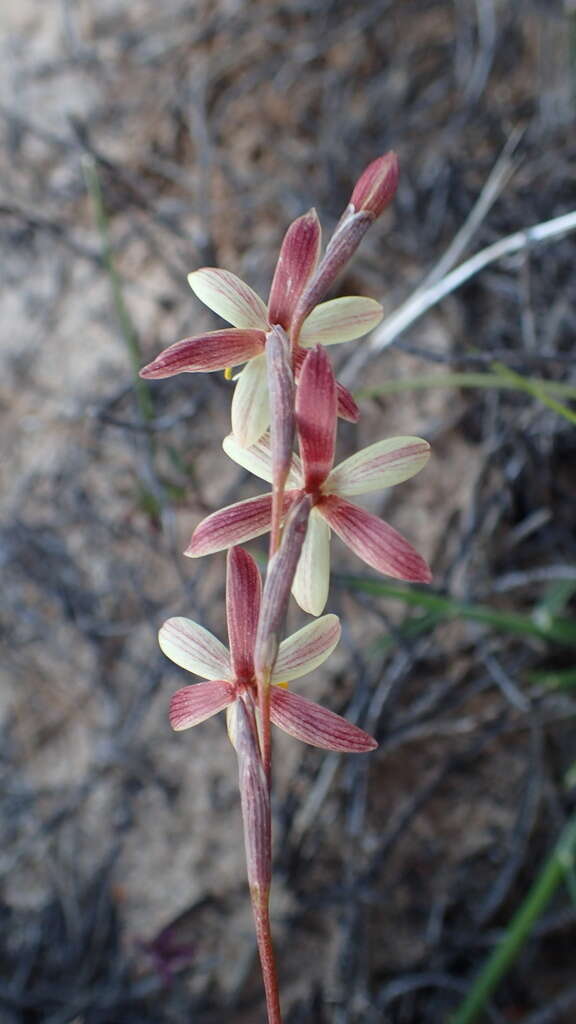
x=235, y=524
x=194, y=704
x=316, y=416
x=374, y=541
x=212, y=351
x=296, y=262
x=243, y=595
x=346, y=406
x=318, y=726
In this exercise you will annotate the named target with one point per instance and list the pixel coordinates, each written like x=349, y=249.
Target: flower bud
x=376, y=186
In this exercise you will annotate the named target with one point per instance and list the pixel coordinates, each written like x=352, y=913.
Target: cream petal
x=312, y=579
x=257, y=459
x=250, y=406
x=340, y=320
x=232, y=723
x=383, y=464
x=228, y=296
x=194, y=648
x=305, y=650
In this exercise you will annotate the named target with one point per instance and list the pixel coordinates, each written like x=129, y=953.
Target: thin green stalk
x=553, y=872
x=535, y=388
x=557, y=629
x=507, y=381
x=127, y=329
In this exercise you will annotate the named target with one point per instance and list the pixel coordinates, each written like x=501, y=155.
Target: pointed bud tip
x=377, y=185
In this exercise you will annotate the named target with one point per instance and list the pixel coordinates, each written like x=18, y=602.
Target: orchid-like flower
x=329, y=323
x=383, y=464
x=230, y=674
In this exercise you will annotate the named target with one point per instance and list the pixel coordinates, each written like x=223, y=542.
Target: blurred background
x=138, y=142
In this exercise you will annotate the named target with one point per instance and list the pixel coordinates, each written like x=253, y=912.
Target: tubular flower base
x=383, y=464
x=329, y=323
x=230, y=673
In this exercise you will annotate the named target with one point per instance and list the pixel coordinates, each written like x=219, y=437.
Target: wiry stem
x=261, y=910
x=255, y=801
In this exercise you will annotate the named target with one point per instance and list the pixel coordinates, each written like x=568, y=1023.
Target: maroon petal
x=212, y=351
x=374, y=541
x=318, y=726
x=346, y=406
x=243, y=595
x=316, y=416
x=296, y=262
x=235, y=524
x=194, y=704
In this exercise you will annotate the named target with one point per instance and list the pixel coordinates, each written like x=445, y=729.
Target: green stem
x=551, y=875
x=562, y=630
x=501, y=380
x=127, y=329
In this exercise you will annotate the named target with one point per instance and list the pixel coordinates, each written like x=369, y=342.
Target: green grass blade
x=501, y=380
x=534, y=388
x=562, y=679
x=553, y=872
x=560, y=630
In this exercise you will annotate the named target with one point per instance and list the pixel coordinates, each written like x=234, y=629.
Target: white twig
x=421, y=301
x=494, y=185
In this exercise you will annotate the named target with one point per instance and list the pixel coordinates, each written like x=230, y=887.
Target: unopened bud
x=376, y=186
x=373, y=192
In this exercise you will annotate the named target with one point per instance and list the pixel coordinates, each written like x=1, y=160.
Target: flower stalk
x=255, y=803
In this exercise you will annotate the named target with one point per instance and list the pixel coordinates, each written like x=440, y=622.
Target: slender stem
x=551, y=875
x=261, y=909
x=256, y=818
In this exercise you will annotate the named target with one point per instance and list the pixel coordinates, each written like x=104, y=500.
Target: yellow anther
x=228, y=373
